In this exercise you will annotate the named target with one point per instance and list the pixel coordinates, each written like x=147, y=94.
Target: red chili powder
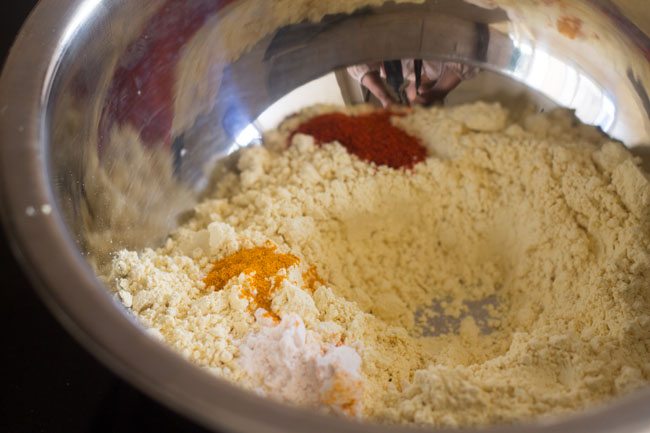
x=371, y=137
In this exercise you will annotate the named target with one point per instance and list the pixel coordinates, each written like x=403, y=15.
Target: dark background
x=48, y=382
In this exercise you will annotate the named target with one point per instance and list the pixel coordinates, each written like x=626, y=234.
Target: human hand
x=387, y=102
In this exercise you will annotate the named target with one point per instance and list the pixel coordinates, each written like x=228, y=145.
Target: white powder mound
x=291, y=363
x=503, y=279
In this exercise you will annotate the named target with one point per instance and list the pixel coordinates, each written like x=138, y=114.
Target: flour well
x=503, y=279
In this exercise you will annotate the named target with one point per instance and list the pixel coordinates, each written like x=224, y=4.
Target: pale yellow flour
x=503, y=279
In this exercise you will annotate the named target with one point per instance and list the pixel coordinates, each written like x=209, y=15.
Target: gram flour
x=504, y=279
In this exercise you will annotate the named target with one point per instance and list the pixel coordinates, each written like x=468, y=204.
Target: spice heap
x=370, y=136
x=261, y=265
x=522, y=248
x=296, y=365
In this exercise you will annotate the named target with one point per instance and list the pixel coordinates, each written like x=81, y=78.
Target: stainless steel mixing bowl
x=112, y=114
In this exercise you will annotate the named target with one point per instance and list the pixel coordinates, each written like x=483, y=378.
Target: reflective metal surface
x=113, y=114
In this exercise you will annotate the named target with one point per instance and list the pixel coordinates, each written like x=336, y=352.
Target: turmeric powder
x=261, y=265
x=310, y=278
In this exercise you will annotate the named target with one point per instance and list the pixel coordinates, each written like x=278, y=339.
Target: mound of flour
x=542, y=222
